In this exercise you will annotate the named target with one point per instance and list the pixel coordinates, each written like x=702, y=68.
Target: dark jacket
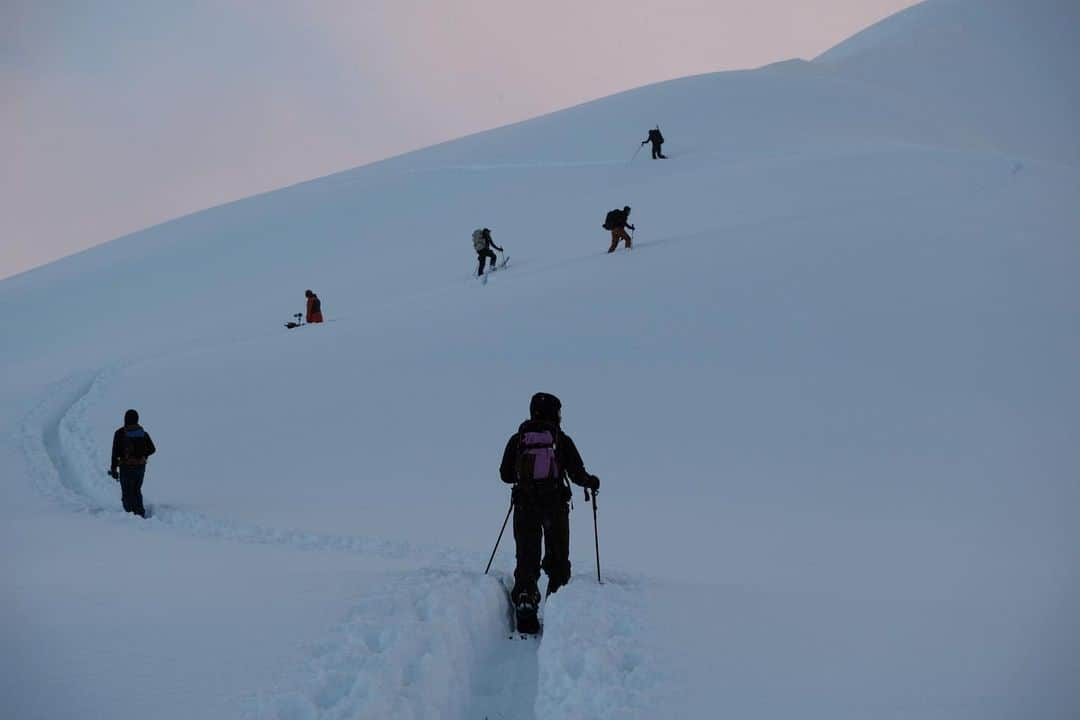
x=141, y=440
x=566, y=454
x=489, y=243
x=618, y=219
x=655, y=137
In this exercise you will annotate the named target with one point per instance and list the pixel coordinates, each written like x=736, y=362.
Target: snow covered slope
x=832, y=395
x=1004, y=71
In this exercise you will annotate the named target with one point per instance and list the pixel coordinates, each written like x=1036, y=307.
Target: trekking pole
x=596, y=534
x=635, y=153
x=501, y=534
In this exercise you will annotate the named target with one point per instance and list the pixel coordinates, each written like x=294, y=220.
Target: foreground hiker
x=314, y=307
x=131, y=447
x=483, y=244
x=537, y=460
x=657, y=139
x=617, y=221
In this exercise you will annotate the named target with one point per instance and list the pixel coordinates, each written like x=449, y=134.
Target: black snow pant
x=656, y=151
x=543, y=517
x=481, y=255
x=131, y=480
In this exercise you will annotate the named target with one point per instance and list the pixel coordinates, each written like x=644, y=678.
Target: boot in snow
x=526, y=605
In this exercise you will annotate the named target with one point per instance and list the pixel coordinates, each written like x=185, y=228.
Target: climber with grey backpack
x=483, y=244
x=538, y=460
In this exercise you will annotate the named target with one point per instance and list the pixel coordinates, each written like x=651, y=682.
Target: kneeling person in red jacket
x=314, y=307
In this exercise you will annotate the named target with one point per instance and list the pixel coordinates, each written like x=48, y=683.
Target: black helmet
x=131, y=417
x=545, y=406
x=626, y=209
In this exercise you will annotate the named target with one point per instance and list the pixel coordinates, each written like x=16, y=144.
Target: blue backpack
x=134, y=447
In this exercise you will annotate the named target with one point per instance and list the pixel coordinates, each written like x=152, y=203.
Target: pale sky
x=120, y=114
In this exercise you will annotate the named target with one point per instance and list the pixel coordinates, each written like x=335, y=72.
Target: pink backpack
x=536, y=457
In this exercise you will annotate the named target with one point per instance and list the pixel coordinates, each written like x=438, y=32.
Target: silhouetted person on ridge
x=657, y=139
x=131, y=447
x=617, y=221
x=537, y=461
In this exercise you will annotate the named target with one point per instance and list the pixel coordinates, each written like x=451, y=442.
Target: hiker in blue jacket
x=131, y=447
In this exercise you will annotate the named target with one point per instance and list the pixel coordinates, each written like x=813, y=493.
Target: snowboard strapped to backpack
x=536, y=459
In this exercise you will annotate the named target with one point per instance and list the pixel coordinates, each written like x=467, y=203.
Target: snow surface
x=832, y=395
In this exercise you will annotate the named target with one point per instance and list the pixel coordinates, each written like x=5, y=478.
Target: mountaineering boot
x=526, y=605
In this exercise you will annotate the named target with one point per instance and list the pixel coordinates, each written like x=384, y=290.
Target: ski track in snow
x=409, y=650
x=65, y=463
x=433, y=643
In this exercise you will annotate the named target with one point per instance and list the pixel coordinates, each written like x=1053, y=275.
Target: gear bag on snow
x=610, y=219
x=479, y=242
x=134, y=449
x=536, y=457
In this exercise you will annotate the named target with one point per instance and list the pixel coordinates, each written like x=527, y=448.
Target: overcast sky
x=119, y=114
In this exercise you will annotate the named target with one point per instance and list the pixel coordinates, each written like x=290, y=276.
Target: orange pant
x=619, y=234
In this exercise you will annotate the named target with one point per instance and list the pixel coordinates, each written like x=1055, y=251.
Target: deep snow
x=832, y=395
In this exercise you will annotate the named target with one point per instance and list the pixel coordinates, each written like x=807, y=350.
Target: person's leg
x=480, y=270
x=527, y=534
x=655, y=150
x=557, y=546
x=614, y=240
x=491, y=257
x=127, y=488
x=136, y=490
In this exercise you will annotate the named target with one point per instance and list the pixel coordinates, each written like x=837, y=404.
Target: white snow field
x=833, y=396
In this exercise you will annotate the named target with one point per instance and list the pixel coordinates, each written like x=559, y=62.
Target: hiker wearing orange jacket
x=314, y=307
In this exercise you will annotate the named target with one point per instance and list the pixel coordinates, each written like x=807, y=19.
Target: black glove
x=114, y=475
x=643, y=142
x=631, y=226
x=592, y=483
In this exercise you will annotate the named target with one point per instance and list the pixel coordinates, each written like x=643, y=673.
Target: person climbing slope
x=537, y=461
x=617, y=221
x=483, y=245
x=657, y=139
x=131, y=446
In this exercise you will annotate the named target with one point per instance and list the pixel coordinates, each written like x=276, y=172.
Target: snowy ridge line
x=538, y=165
